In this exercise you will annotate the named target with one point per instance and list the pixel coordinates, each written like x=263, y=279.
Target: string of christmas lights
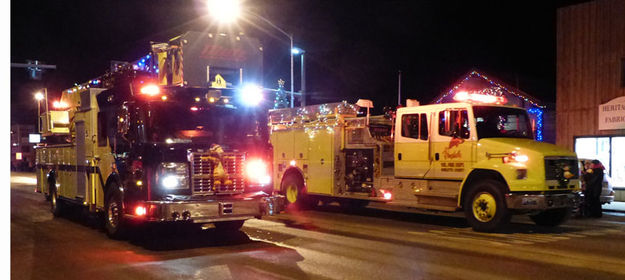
x=475, y=73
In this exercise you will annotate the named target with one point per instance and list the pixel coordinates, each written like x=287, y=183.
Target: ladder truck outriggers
x=477, y=158
x=138, y=148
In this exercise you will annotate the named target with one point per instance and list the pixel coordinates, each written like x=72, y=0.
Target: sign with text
x=612, y=114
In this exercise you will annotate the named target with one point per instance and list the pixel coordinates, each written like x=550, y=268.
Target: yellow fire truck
x=477, y=158
x=137, y=147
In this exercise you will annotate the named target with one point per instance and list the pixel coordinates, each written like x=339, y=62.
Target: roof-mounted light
x=463, y=96
x=150, y=89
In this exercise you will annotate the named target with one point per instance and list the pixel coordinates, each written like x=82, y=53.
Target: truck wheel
x=229, y=225
x=293, y=189
x=552, y=217
x=56, y=205
x=114, y=223
x=485, y=208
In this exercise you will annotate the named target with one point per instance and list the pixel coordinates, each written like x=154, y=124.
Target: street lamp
x=298, y=51
x=228, y=11
x=39, y=96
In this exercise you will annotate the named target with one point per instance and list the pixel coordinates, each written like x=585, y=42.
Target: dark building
x=590, y=85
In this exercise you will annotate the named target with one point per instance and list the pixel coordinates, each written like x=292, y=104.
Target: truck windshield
x=171, y=122
x=491, y=122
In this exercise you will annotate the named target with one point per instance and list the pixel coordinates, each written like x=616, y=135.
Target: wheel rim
x=113, y=214
x=484, y=207
x=291, y=193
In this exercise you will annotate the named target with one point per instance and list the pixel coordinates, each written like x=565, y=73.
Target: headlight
x=174, y=175
x=257, y=172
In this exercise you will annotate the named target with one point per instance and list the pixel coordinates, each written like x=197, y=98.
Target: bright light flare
x=252, y=95
x=171, y=182
x=150, y=89
x=140, y=211
x=59, y=104
x=464, y=96
x=293, y=163
x=224, y=11
x=258, y=171
x=386, y=194
x=38, y=96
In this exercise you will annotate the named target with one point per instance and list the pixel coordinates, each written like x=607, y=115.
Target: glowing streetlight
x=227, y=11
x=224, y=11
x=298, y=51
x=39, y=96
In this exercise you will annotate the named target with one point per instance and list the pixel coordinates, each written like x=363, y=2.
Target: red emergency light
x=150, y=89
x=464, y=96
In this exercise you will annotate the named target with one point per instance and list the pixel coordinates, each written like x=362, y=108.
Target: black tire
x=552, y=217
x=485, y=207
x=229, y=225
x=57, y=206
x=293, y=189
x=114, y=222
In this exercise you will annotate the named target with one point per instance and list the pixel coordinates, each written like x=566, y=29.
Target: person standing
x=594, y=184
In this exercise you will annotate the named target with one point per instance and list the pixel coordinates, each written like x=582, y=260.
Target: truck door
x=81, y=174
x=452, y=144
x=412, y=156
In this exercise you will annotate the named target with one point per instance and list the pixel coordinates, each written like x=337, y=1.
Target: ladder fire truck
x=477, y=158
x=149, y=143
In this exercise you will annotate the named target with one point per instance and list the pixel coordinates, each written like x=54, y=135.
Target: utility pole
x=399, y=89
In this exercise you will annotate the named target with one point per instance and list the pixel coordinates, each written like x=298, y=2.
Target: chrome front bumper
x=210, y=210
x=540, y=201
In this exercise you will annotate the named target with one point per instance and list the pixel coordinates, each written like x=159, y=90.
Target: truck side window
x=454, y=123
x=410, y=126
x=423, y=127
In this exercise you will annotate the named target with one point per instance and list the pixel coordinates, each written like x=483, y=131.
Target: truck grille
x=203, y=166
x=554, y=168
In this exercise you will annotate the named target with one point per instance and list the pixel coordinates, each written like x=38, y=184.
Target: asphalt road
x=320, y=244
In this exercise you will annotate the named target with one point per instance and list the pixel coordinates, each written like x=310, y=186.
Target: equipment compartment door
x=320, y=177
x=81, y=171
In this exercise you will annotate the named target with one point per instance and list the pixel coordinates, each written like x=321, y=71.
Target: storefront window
x=618, y=162
x=608, y=150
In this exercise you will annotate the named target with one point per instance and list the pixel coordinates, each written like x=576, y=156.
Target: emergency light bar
x=464, y=96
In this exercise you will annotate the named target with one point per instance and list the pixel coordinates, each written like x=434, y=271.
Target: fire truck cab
x=477, y=158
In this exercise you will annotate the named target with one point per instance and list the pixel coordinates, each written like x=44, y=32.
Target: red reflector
x=140, y=211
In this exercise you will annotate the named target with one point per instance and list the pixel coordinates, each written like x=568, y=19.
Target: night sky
x=354, y=49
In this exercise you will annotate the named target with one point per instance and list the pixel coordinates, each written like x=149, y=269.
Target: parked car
x=607, y=192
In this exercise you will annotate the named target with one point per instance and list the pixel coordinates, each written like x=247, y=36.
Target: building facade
x=590, y=84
